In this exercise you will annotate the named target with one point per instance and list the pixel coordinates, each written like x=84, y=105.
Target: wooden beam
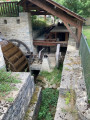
x=54, y=12
x=66, y=36
x=67, y=19
x=39, y=13
x=66, y=10
x=71, y=31
x=34, y=8
x=47, y=43
x=79, y=31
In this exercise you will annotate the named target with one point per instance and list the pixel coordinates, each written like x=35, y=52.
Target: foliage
x=54, y=76
x=38, y=24
x=10, y=99
x=6, y=80
x=68, y=98
x=86, y=32
x=59, y=1
x=48, y=105
x=81, y=7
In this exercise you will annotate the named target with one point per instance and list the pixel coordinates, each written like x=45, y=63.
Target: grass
x=54, y=76
x=48, y=105
x=11, y=99
x=6, y=80
x=86, y=32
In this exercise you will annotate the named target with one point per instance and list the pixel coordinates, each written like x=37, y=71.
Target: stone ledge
x=16, y=110
x=72, y=78
x=34, y=105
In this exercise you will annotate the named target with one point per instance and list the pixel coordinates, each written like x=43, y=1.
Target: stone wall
x=19, y=28
x=22, y=97
x=72, y=80
x=2, y=62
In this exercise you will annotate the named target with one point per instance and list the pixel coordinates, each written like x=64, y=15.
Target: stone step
x=33, y=108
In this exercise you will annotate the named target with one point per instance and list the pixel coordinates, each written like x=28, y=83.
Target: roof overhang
x=37, y=10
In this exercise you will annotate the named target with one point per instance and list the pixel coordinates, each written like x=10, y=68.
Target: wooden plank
x=7, y=47
x=15, y=57
x=19, y=62
x=22, y=67
x=66, y=36
x=11, y=52
x=44, y=43
x=79, y=32
x=48, y=40
x=39, y=13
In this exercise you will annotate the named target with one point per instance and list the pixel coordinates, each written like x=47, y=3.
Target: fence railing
x=9, y=9
x=85, y=59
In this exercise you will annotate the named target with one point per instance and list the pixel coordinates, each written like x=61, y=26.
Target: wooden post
x=71, y=31
x=66, y=36
x=45, y=17
x=79, y=31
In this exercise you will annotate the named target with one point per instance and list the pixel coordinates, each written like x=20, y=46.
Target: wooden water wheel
x=14, y=57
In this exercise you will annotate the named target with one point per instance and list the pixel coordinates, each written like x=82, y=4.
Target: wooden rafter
x=55, y=12
x=67, y=16
x=39, y=13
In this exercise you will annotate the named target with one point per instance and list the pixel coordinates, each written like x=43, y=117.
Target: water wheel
x=14, y=57
x=19, y=43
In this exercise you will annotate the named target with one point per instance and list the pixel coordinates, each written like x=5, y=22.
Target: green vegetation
x=68, y=98
x=38, y=23
x=6, y=80
x=86, y=32
x=54, y=76
x=48, y=105
x=81, y=7
x=11, y=99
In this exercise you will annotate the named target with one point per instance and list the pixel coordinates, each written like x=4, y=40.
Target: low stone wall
x=72, y=79
x=22, y=97
x=34, y=106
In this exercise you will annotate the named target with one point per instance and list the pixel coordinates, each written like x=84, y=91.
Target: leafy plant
x=68, y=98
x=6, y=81
x=81, y=7
x=54, y=76
x=38, y=24
x=48, y=105
x=10, y=99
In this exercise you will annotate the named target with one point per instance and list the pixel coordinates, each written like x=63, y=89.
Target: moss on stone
x=27, y=114
x=33, y=101
x=35, y=97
